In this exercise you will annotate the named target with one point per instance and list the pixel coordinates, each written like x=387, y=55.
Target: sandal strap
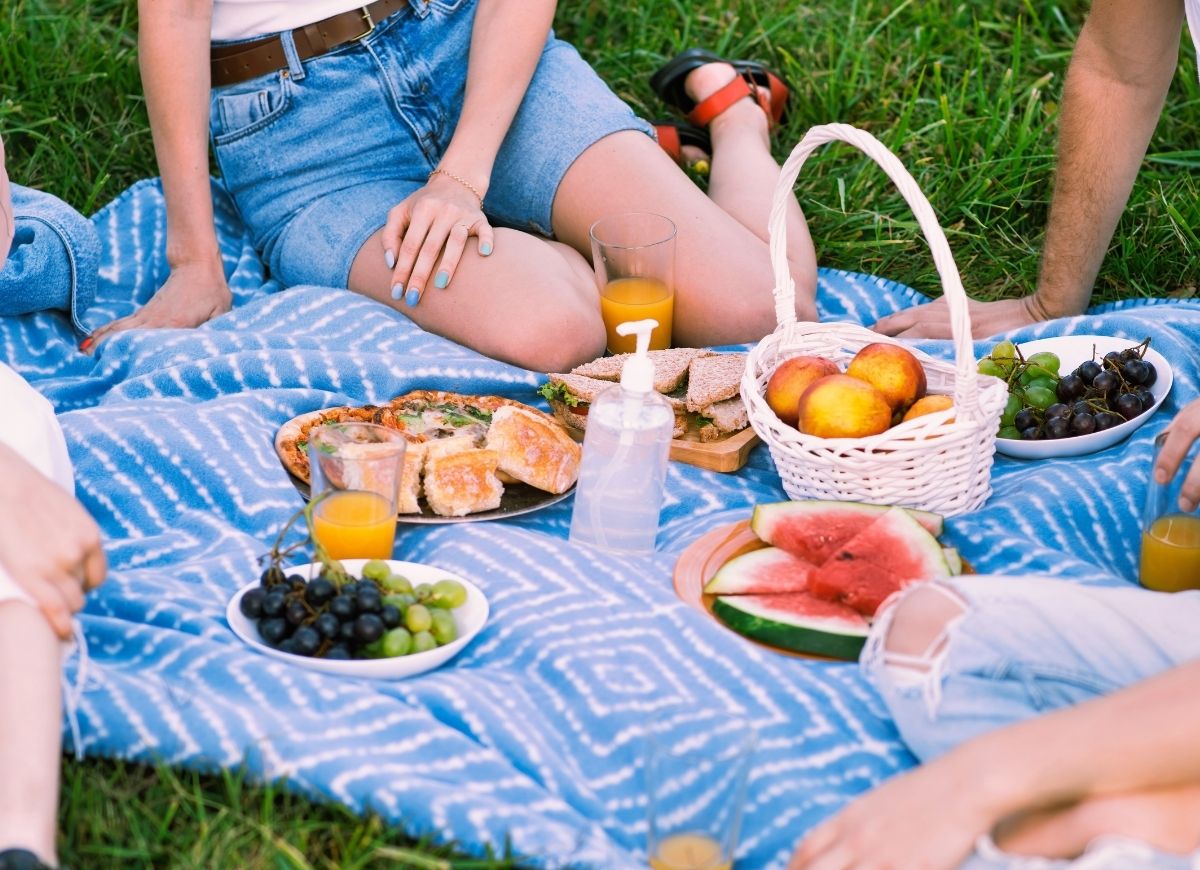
x=704, y=111
x=669, y=141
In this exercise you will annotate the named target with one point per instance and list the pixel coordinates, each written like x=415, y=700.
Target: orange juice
x=355, y=525
x=1171, y=554
x=637, y=299
x=689, y=852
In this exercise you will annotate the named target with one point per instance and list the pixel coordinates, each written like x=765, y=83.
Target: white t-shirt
x=245, y=19
x=1192, y=7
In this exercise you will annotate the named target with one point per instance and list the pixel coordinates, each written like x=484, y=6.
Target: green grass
x=965, y=93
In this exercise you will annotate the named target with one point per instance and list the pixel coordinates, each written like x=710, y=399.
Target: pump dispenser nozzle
x=637, y=375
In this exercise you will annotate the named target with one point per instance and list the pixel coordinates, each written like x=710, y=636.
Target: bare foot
x=745, y=114
x=1167, y=819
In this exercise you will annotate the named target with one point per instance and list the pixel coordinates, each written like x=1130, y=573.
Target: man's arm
x=1116, y=84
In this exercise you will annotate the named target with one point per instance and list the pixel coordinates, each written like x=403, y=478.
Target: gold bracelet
x=468, y=185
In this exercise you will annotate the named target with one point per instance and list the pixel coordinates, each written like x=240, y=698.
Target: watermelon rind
x=767, y=516
x=953, y=560
x=768, y=570
x=839, y=637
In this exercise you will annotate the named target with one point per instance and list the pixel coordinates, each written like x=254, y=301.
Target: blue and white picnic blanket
x=534, y=734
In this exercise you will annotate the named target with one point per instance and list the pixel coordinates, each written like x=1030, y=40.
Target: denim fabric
x=53, y=259
x=1026, y=646
x=315, y=155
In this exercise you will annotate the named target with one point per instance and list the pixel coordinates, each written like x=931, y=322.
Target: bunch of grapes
x=1097, y=395
x=338, y=616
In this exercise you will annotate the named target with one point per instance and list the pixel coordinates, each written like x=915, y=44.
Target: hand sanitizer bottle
x=625, y=454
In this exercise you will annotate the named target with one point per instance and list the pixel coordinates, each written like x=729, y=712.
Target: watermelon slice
x=891, y=553
x=795, y=621
x=761, y=571
x=813, y=530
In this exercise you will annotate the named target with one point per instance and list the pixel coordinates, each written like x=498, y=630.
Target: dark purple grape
x=1107, y=419
x=1058, y=427
x=273, y=630
x=319, y=591
x=1128, y=405
x=390, y=614
x=295, y=612
x=338, y=651
x=1130, y=353
x=1025, y=418
x=350, y=588
x=1083, y=424
x=1032, y=433
x=327, y=625
x=1151, y=374
x=346, y=632
x=1087, y=371
x=1113, y=358
x=274, y=574
x=1135, y=371
x=274, y=602
x=251, y=603
x=369, y=600
x=368, y=628
x=1105, y=383
x=306, y=641
x=1145, y=397
x=1058, y=409
x=287, y=645
x=344, y=607
x=1070, y=388
x=1081, y=408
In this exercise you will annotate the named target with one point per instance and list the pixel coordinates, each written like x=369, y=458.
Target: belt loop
x=295, y=68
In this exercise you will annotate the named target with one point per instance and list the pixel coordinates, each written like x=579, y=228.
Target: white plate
x=470, y=618
x=1073, y=350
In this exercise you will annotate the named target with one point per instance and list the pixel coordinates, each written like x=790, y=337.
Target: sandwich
x=670, y=367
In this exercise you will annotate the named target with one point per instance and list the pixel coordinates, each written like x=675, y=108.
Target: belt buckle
x=364, y=12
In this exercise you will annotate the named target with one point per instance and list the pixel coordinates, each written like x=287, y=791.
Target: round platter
x=470, y=619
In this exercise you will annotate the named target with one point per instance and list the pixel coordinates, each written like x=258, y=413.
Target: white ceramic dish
x=1073, y=350
x=470, y=618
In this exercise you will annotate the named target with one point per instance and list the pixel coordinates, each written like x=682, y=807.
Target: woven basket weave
x=939, y=462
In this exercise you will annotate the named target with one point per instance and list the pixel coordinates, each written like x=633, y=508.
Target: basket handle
x=966, y=392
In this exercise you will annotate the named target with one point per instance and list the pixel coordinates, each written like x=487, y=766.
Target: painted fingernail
x=397, y=291
x=412, y=297
x=86, y=343
x=389, y=257
x=442, y=279
x=485, y=248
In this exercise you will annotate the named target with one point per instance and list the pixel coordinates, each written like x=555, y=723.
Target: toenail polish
x=442, y=279
x=397, y=291
x=390, y=258
x=412, y=297
x=485, y=248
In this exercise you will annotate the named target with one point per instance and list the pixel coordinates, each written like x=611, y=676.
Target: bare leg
x=1167, y=819
x=532, y=303
x=744, y=175
x=30, y=725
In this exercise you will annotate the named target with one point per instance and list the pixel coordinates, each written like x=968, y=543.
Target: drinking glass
x=1170, y=535
x=634, y=256
x=356, y=469
x=697, y=787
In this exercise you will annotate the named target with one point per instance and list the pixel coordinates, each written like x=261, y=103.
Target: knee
x=558, y=337
x=915, y=631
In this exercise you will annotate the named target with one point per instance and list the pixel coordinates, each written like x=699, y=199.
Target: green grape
x=1003, y=352
x=423, y=641
x=423, y=591
x=376, y=569
x=417, y=618
x=373, y=650
x=1026, y=376
x=396, y=583
x=401, y=601
x=1046, y=360
x=1010, y=410
x=1040, y=397
x=448, y=594
x=397, y=642
x=987, y=366
x=1050, y=384
x=444, y=629
x=1009, y=432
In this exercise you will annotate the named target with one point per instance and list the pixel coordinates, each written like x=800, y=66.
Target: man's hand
x=49, y=544
x=1181, y=434
x=195, y=293
x=932, y=320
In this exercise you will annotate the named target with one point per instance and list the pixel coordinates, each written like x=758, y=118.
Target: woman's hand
x=49, y=544
x=1181, y=434
x=194, y=293
x=434, y=221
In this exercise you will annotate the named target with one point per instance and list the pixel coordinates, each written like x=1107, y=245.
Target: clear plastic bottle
x=625, y=452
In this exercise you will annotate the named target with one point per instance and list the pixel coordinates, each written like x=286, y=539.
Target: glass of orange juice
x=634, y=257
x=1170, y=535
x=697, y=786
x=356, y=469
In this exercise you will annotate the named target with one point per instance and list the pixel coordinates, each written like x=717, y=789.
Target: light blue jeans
x=1025, y=646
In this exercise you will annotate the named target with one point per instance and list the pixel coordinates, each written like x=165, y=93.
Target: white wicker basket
x=939, y=462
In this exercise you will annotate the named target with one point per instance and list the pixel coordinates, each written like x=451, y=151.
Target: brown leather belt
x=243, y=61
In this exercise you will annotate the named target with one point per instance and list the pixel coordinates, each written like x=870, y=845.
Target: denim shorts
x=1026, y=646
x=316, y=154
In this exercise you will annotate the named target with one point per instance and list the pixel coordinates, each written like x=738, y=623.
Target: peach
x=891, y=369
x=928, y=405
x=839, y=406
x=792, y=378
